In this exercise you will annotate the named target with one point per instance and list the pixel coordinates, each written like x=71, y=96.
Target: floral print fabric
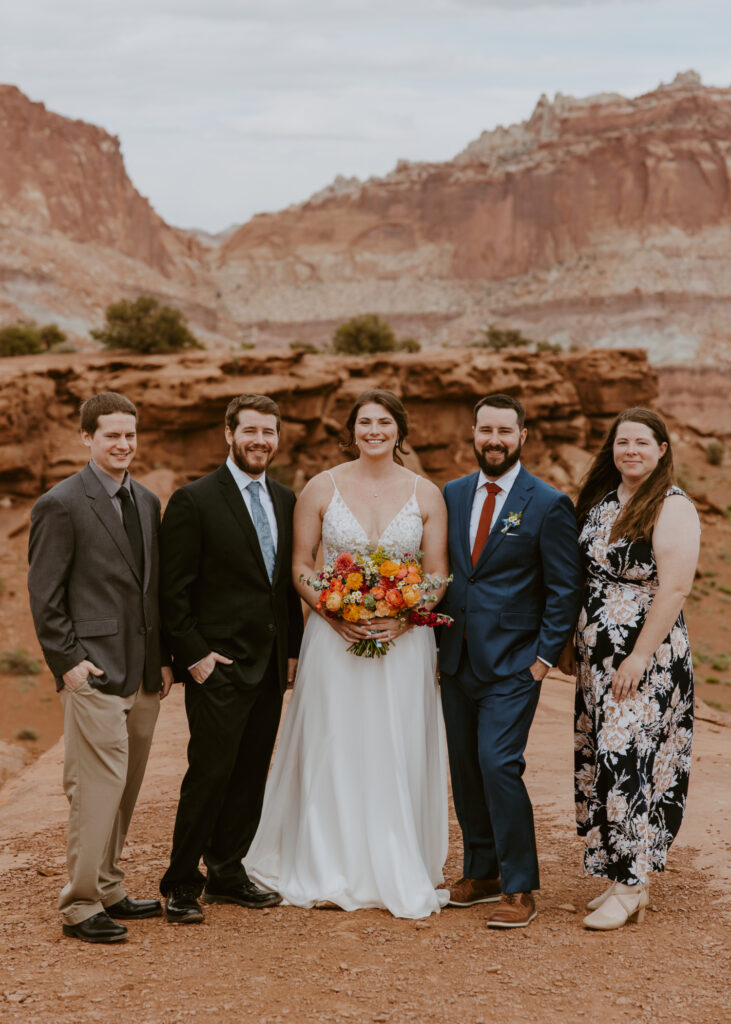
x=632, y=758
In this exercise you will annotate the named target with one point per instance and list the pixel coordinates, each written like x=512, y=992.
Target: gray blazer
x=86, y=595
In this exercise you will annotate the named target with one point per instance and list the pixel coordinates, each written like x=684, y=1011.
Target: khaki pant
x=107, y=741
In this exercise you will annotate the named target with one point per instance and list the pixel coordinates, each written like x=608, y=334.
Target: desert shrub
x=26, y=734
x=26, y=338
x=303, y=346
x=409, y=345
x=363, y=334
x=19, y=663
x=145, y=326
x=498, y=338
x=548, y=346
x=714, y=452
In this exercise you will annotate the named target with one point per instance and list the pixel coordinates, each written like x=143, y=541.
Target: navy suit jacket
x=521, y=600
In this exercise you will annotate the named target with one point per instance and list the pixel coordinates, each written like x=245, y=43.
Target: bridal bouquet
x=358, y=587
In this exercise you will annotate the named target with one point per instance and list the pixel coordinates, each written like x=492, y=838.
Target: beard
x=493, y=468
x=243, y=459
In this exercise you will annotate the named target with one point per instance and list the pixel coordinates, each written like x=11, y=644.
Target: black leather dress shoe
x=129, y=909
x=245, y=894
x=182, y=906
x=99, y=928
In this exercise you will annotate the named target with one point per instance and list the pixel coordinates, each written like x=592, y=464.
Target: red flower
x=344, y=563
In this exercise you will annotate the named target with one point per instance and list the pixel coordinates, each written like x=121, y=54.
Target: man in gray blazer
x=93, y=584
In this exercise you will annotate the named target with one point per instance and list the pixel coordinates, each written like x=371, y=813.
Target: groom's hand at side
x=291, y=672
x=538, y=669
x=203, y=668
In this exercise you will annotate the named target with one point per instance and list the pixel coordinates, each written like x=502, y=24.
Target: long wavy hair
x=637, y=519
x=392, y=405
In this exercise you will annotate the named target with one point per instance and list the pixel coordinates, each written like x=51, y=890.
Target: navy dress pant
x=487, y=727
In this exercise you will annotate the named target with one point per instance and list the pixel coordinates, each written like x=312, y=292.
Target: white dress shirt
x=505, y=483
x=243, y=480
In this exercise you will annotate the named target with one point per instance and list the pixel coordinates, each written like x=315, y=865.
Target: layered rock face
x=181, y=399
x=599, y=221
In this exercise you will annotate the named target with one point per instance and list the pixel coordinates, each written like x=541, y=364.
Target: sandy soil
x=287, y=964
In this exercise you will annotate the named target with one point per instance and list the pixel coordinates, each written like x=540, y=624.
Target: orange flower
x=394, y=598
x=334, y=602
x=351, y=612
x=389, y=569
x=366, y=613
x=383, y=608
x=378, y=593
x=344, y=563
x=411, y=595
x=402, y=573
x=413, y=575
x=354, y=581
x=336, y=585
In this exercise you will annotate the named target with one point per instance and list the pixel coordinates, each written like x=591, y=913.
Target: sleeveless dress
x=355, y=809
x=632, y=758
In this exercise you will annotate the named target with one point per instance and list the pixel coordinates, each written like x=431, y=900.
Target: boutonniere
x=511, y=520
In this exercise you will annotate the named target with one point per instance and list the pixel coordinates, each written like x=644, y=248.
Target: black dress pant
x=233, y=728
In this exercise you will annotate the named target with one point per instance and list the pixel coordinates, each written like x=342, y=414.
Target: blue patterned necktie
x=263, y=530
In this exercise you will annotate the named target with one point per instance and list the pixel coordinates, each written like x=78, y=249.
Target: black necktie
x=132, y=527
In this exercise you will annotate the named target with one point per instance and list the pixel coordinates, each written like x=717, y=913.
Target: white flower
x=664, y=655
x=616, y=806
x=678, y=641
x=614, y=738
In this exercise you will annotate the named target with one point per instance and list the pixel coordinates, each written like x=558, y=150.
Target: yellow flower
x=333, y=602
x=389, y=568
x=411, y=595
x=351, y=612
x=353, y=581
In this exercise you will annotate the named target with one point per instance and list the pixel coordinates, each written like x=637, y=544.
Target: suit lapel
x=235, y=501
x=464, y=512
x=518, y=497
x=103, y=508
x=143, y=512
x=276, y=495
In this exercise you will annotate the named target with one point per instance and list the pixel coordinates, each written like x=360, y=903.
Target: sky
x=228, y=108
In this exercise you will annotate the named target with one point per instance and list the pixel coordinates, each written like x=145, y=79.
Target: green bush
x=19, y=663
x=145, y=326
x=714, y=452
x=364, y=334
x=498, y=338
x=548, y=346
x=27, y=338
x=409, y=345
x=303, y=346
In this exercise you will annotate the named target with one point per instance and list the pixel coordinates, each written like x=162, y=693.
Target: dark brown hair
x=392, y=405
x=501, y=402
x=103, y=404
x=637, y=519
x=260, y=403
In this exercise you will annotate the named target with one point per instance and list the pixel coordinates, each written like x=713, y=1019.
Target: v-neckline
x=363, y=530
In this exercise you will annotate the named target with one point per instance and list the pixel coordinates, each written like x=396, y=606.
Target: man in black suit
x=235, y=624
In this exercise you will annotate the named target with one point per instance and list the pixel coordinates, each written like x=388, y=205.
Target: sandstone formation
x=569, y=398
x=600, y=222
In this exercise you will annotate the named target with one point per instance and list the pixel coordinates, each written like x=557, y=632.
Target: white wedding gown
x=355, y=810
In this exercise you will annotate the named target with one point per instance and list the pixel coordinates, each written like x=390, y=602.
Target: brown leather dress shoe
x=516, y=910
x=469, y=891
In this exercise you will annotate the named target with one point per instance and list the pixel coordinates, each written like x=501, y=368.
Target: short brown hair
x=103, y=404
x=392, y=405
x=260, y=403
x=501, y=402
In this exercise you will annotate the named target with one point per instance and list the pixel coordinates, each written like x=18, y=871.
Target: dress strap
x=416, y=481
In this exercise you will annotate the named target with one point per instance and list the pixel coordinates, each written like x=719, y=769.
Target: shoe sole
x=521, y=924
x=136, y=917
x=250, y=905
x=473, y=903
x=101, y=941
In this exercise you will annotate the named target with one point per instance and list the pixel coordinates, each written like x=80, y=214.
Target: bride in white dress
x=355, y=811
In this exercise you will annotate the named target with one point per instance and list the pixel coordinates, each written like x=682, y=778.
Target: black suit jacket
x=215, y=591
x=86, y=594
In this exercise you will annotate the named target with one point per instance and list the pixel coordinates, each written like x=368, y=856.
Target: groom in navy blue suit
x=515, y=596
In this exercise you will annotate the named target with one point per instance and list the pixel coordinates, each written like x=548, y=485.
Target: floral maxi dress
x=632, y=758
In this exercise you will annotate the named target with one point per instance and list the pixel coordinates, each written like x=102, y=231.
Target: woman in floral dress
x=639, y=536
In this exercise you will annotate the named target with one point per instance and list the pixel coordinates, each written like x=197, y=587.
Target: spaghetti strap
x=333, y=480
x=416, y=481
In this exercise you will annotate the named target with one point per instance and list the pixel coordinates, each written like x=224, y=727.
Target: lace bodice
x=341, y=531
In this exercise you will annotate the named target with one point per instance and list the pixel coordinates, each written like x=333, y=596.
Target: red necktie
x=483, y=527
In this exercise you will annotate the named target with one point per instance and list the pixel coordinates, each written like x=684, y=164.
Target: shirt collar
x=504, y=482
x=110, y=485
x=243, y=479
